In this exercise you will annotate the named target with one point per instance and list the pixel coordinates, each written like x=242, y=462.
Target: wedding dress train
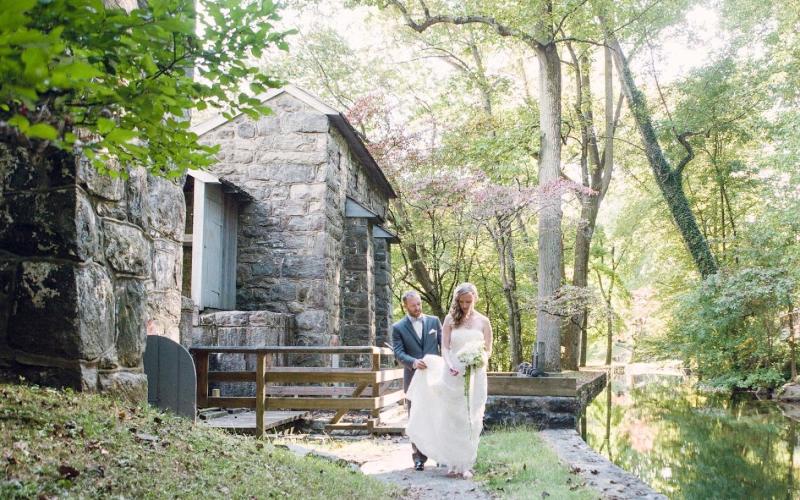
x=441, y=424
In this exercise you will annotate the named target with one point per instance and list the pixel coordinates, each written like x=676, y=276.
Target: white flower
x=472, y=354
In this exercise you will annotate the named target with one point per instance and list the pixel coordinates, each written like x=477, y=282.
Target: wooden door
x=213, y=247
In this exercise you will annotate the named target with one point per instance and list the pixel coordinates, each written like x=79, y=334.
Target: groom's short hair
x=407, y=295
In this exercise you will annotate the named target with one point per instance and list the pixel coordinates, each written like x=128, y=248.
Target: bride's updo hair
x=455, y=309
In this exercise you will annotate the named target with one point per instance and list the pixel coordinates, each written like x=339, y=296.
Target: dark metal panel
x=171, y=378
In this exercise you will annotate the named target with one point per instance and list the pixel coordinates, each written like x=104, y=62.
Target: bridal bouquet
x=472, y=355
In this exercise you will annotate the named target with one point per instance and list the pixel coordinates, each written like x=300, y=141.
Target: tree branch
x=682, y=138
x=429, y=20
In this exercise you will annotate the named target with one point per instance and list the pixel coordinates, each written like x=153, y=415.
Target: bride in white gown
x=444, y=424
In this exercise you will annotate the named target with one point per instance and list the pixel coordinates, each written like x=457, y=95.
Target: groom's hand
x=453, y=372
x=419, y=364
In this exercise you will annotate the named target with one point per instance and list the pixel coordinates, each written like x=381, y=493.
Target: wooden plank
x=311, y=375
x=201, y=369
x=376, y=367
x=295, y=349
x=314, y=375
x=348, y=427
x=260, y=395
x=526, y=386
x=307, y=390
x=198, y=218
x=339, y=414
x=233, y=376
x=388, y=429
x=320, y=403
x=247, y=421
x=229, y=402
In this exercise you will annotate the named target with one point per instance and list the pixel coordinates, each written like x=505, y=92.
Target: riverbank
x=596, y=470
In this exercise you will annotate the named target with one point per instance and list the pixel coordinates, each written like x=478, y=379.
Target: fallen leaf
x=545, y=494
x=68, y=472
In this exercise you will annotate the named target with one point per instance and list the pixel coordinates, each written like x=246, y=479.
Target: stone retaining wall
x=89, y=264
x=545, y=412
x=239, y=329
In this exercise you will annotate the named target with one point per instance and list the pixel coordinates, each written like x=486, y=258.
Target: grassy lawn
x=515, y=463
x=60, y=443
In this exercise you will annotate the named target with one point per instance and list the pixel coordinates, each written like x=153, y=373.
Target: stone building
x=279, y=243
x=89, y=264
x=284, y=240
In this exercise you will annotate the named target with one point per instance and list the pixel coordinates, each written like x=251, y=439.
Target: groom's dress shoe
x=419, y=465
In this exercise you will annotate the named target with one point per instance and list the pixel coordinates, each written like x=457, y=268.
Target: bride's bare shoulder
x=483, y=319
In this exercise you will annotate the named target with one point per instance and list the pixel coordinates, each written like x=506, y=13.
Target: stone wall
x=383, y=292
x=545, y=412
x=239, y=328
x=89, y=264
x=280, y=160
x=358, y=285
x=362, y=300
x=292, y=242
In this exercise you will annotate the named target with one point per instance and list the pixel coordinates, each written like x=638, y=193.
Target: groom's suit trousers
x=417, y=455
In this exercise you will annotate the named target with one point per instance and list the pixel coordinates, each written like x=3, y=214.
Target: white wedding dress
x=440, y=424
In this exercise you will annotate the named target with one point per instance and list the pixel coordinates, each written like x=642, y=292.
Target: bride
x=444, y=423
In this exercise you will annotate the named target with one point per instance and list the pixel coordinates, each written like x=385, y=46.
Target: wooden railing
x=371, y=390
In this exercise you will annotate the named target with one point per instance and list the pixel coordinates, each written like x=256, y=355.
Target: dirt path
x=389, y=460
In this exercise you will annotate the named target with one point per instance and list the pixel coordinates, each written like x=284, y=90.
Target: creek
x=690, y=444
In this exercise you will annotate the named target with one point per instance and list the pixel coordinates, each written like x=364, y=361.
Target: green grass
x=61, y=443
x=516, y=463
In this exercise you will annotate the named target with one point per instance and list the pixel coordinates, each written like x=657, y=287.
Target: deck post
x=376, y=412
x=201, y=368
x=261, y=359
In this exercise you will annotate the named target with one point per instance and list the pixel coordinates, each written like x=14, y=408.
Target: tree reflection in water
x=696, y=446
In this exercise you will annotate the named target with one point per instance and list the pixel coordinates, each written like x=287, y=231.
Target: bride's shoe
x=467, y=474
x=452, y=473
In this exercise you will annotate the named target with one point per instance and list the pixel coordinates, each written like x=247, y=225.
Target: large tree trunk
x=548, y=326
x=597, y=171
x=668, y=179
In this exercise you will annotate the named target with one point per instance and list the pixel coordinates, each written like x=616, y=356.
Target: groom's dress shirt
x=417, y=324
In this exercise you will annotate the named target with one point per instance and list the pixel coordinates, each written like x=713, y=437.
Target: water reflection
x=695, y=446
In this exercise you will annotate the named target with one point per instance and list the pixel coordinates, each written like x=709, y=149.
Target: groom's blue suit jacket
x=408, y=347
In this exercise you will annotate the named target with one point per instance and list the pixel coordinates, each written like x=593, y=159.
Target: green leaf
x=42, y=131
x=20, y=122
x=105, y=125
x=121, y=135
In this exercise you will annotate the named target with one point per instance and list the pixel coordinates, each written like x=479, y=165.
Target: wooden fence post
x=260, y=394
x=376, y=412
x=201, y=368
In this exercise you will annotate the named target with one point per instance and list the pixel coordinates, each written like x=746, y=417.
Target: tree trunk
x=598, y=180
x=609, y=327
x=505, y=253
x=668, y=179
x=430, y=293
x=548, y=326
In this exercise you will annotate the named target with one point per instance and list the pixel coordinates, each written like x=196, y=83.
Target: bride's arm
x=487, y=337
x=447, y=354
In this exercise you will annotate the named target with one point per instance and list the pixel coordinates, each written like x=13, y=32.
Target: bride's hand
x=453, y=372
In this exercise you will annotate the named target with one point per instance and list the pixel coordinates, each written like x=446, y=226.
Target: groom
x=413, y=337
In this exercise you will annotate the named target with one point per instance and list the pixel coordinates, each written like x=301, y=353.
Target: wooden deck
x=245, y=422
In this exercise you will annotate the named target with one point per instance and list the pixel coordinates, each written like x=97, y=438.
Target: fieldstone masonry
x=88, y=265
x=297, y=252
